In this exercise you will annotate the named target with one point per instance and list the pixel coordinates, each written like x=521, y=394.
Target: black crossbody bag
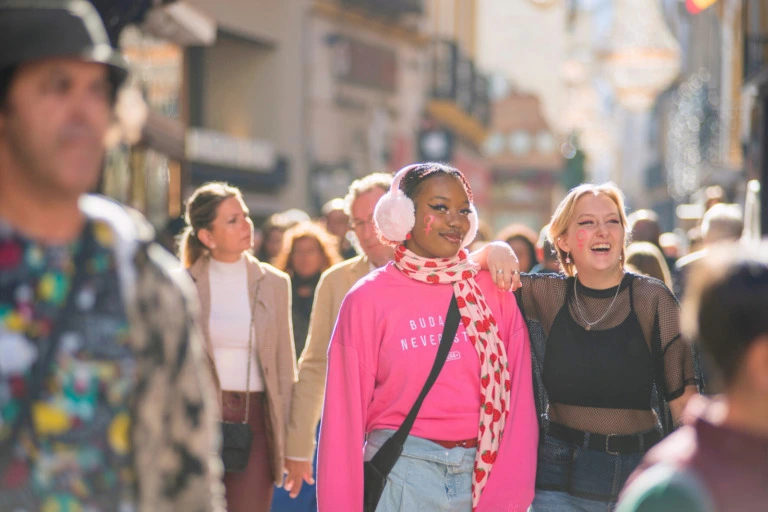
x=377, y=469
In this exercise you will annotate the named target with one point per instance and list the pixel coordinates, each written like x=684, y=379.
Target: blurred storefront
x=753, y=24
x=526, y=163
x=244, y=104
x=365, y=65
x=143, y=167
x=457, y=112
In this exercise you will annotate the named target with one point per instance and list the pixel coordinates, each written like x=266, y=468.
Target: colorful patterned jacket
x=175, y=428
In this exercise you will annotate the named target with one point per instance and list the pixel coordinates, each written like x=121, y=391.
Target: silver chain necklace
x=581, y=312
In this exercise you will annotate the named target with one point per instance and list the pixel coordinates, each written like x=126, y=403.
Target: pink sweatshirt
x=381, y=352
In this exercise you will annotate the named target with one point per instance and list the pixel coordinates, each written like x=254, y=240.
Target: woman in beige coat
x=243, y=302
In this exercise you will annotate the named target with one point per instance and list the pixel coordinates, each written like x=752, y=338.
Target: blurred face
x=274, y=242
x=53, y=126
x=362, y=224
x=231, y=232
x=523, y=253
x=337, y=223
x=307, y=258
x=442, y=217
x=595, y=236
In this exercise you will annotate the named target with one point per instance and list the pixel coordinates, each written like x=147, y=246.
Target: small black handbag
x=236, y=438
x=375, y=471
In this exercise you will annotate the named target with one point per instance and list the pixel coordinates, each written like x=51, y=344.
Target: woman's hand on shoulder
x=501, y=262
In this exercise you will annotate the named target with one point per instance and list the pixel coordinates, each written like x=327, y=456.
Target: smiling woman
x=472, y=444
x=611, y=373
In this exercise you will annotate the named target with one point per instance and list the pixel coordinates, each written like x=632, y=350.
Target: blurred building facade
x=457, y=114
x=365, y=65
x=526, y=163
x=749, y=25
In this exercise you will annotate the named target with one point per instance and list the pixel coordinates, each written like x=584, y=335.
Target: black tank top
x=610, y=368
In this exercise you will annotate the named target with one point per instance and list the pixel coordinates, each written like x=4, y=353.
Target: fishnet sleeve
x=678, y=357
x=541, y=297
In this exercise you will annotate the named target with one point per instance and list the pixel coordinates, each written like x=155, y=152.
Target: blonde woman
x=243, y=303
x=611, y=373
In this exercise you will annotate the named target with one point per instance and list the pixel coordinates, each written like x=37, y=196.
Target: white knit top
x=229, y=326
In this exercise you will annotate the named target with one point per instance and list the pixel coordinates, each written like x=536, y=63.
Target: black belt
x=613, y=444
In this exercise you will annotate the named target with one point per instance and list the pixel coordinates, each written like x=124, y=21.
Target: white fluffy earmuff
x=395, y=213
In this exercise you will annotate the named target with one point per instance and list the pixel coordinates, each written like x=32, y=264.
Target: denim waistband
x=419, y=448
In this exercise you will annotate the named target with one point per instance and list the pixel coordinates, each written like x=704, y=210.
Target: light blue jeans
x=557, y=501
x=426, y=477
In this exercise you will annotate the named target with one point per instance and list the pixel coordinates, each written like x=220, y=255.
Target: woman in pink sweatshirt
x=473, y=444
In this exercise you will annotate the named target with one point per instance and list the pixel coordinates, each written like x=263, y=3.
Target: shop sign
x=216, y=148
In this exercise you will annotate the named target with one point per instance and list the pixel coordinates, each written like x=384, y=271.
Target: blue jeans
x=581, y=472
x=556, y=501
x=426, y=476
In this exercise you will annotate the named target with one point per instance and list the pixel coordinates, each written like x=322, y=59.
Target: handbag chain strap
x=250, y=355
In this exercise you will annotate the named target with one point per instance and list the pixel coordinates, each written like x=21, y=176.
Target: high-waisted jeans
x=579, y=472
x=426, y=476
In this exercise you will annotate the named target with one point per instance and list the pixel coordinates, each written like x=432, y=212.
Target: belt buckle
x=608, y=444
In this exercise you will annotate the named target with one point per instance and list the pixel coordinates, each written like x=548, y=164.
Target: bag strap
x=388, y=454
x=42, y=367
x=250, y=355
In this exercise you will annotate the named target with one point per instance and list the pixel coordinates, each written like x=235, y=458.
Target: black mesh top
x=541, y=298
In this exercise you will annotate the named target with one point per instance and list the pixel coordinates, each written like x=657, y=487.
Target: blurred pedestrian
x=336, y=222
x=645, y=227
x=272, y=232
x=383, y=348
x=106, y=403
x=546, y=255
x=334, y=284
x=719, y=461
x=646, y=259
x=671, y=246
x=308, y=251
x=722, y=223
x=522, y=240
x=611, y=374
x=246, y=321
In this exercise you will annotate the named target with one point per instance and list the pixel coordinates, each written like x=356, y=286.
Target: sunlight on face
x=442, y=217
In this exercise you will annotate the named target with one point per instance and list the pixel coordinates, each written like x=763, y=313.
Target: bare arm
x=500, y=260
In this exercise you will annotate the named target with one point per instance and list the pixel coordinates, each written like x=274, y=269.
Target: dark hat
x=39, y=29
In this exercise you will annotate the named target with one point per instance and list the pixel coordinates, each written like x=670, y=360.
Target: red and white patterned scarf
x=483, y=333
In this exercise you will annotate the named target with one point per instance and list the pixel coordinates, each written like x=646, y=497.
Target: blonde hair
x=563, y=216
x=307, y=229
x=648, y=260
x=201, y=211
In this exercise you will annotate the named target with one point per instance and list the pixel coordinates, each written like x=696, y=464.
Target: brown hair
x=526, y=235
x=202, y=207
x=564, y=215
x=307, y=229
x=648, y=260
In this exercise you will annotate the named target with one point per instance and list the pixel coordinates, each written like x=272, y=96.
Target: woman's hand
x=296, y=473
x=501, y=262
